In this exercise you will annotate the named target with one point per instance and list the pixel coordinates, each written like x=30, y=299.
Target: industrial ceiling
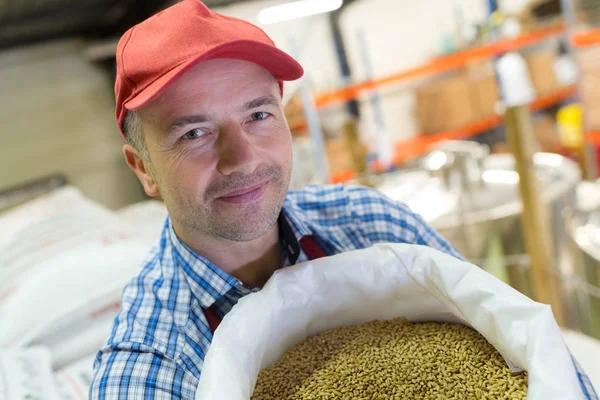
x=27, y=21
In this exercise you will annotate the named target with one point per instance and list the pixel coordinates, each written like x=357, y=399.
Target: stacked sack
x=64, y=261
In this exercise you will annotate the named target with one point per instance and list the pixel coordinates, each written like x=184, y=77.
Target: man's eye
x=193, y=134
x=259, y=116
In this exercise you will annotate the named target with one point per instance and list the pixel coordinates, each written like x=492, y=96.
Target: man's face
x=220, y=150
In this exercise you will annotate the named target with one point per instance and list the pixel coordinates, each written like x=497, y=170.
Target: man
x=199, y=103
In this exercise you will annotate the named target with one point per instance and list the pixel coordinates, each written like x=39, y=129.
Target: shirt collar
x=208, y=282
x=291, y=230
x=302, y=226
x=293, y=215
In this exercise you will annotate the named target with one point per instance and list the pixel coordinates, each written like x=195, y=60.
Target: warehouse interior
x=479, y=115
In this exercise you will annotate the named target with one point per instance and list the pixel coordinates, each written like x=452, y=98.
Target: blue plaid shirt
x=160, y=337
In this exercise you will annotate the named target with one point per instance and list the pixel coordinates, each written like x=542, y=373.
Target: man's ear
x=140, y=167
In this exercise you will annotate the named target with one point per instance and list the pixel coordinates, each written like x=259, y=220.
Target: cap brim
x=282, y=66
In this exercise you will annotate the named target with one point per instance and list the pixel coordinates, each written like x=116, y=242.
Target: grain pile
x=392, y=360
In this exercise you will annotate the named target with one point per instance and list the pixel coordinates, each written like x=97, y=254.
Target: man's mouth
x=246, y=194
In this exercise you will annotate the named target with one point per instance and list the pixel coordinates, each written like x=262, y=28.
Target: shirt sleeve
x=135, y=371
x=382, y=219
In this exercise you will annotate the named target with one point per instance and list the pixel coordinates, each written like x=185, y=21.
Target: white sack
x=64, y=261
x=70, y=304
x=384, y=282
x=47, y=227
x=148, y=216
x=26, y=374
x=73, y=382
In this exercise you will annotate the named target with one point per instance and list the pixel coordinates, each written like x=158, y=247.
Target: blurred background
x=479, y=114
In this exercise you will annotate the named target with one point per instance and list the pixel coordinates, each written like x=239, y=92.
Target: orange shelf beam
x=439, y=65
x=436, y=66
x=421, y=144
x=414, y=147
x=593, y=138
x=551, y=99
x=586, y=38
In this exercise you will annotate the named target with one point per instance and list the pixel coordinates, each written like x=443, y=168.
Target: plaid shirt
x=160, y=337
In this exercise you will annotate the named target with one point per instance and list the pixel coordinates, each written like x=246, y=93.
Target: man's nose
x=236, y=151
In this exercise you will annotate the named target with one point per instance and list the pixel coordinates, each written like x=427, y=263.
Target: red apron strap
x=312, y=249
x=212, y=317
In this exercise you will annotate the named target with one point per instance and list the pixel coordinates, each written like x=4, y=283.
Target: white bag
x=384, y=282
x=48, y=226
x=64, y=261
x=26, y=374
x=146, y=216
x=73, y=382
x=70, y=305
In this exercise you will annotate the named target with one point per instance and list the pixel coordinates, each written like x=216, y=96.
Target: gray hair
x=134, y=135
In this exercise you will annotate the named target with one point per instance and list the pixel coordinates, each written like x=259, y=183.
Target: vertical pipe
x=568, y=12
x=350, y=129
x=519, y=132
x=312, y=118
x=384, y=147
x=342, y=56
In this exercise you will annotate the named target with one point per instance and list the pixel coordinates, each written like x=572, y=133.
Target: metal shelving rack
x=582, y=26
x=417, y=146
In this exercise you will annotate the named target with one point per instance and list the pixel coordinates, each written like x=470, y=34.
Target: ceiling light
x=297, y=9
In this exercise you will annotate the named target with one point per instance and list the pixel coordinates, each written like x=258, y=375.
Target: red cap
x=155, y=52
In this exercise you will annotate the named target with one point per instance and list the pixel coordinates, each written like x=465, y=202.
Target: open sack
x=385, y=282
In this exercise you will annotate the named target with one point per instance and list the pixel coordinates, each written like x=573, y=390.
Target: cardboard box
x=479, y=70
x=589, y=86
x=546, y=133
x=588, y=59
x=445, y=104
x=591, y=115
x=589, y=92
x=451, y=103
x=541, y=71
x=338, y=155
x=485, y=93
x=294, y=113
